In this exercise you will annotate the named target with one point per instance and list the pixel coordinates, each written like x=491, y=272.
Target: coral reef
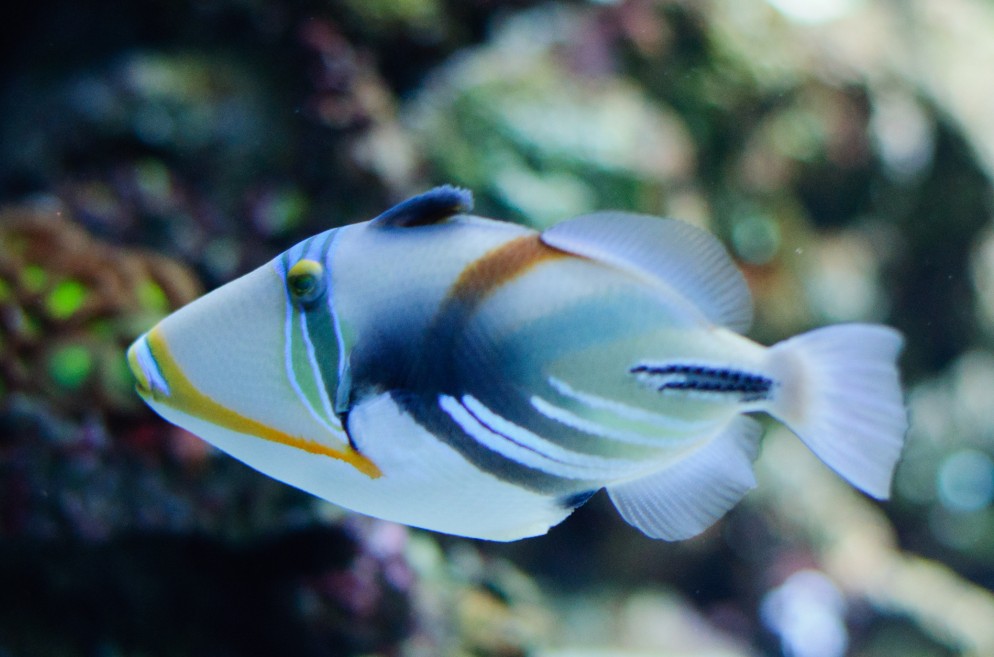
x=69, y=305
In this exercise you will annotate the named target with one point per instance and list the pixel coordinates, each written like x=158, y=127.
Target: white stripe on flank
x=574, y=421
x=505, y=446
x=629, y=412
x=518, y=444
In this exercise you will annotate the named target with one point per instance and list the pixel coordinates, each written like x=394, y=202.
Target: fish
x=480, y=378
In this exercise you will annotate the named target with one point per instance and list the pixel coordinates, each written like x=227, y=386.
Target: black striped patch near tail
x=746, y=386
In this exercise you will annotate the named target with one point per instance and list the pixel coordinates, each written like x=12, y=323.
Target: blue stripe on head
x=312, y=350
x=313, y=248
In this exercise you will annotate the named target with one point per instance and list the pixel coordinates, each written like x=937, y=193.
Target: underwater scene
x=461, y=390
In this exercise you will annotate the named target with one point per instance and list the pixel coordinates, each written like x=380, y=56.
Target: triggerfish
x=480, y=378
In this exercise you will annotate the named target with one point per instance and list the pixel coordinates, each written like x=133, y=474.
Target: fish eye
x=305, y=281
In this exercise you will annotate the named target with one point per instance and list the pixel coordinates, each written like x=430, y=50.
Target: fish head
x=253, y=367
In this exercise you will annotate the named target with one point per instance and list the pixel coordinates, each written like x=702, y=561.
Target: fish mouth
x=150, y=383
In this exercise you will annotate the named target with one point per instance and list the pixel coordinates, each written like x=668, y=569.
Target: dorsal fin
x=432, y=207
x=688, y=259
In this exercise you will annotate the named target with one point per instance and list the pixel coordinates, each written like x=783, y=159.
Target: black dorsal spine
x=432, y=207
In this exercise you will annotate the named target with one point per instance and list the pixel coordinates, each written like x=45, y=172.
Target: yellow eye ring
x=305, y=281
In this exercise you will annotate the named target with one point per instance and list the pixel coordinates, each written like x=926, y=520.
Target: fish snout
x=149, y=380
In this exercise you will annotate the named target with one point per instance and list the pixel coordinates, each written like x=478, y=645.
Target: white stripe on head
x=310, y=249
x=316, y=372
x=343, y=356
x=328, y=421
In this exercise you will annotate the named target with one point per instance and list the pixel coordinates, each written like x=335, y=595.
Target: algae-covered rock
x=470, y=605
x=70, y=304
x=314, y=591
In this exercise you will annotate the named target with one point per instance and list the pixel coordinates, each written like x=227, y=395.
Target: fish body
x=483, y=379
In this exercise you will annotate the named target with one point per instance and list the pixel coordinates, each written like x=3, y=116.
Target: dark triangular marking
x=432, y=207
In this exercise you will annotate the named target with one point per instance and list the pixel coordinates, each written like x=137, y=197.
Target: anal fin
x=687, y=497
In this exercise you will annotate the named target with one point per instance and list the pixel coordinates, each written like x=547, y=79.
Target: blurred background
x=842, y=149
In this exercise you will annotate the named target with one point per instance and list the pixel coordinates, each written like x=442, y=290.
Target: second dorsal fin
x=432, y=207
x=691, y=261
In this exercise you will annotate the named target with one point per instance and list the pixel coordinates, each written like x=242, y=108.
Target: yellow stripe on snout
x=185, y=397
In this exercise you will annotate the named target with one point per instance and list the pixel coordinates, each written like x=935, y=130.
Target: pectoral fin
x=687, y=497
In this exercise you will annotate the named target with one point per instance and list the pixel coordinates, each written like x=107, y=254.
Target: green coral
x=65, y=298
x=70, y=366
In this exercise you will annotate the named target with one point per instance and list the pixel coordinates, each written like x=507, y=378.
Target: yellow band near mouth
x=142, y=384
x=185, y=397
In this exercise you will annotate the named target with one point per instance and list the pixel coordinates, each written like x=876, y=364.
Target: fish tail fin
x=840, y=393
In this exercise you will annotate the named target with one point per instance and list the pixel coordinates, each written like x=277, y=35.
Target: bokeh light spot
x=965, y=480
x=70, y=366
x=65, y=299
x=756, y=238
x=807, y=612
x=151, y=296
x=814, y=11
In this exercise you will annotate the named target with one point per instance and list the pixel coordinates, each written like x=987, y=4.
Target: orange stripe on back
x=500, y=266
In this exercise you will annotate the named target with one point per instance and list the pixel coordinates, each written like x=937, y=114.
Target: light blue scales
x=480, y=378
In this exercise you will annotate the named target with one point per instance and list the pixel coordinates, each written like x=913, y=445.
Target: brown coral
x=70, y=304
